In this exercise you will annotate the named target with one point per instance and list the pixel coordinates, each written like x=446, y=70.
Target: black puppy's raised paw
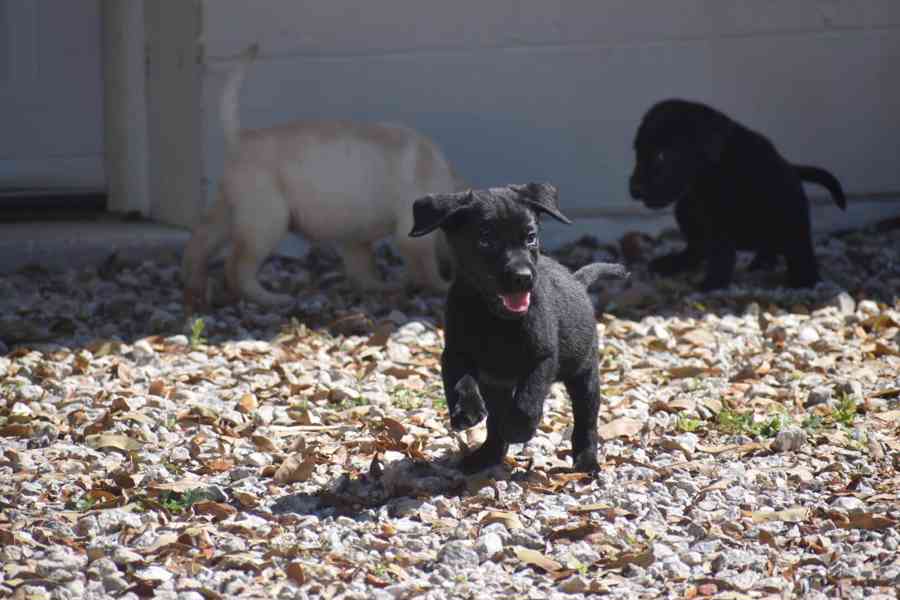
x=469, y=409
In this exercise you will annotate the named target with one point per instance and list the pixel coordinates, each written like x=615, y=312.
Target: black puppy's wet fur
x=732, y=191
x=500, y=364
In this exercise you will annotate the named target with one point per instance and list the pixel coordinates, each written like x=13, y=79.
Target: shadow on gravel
x=125, y=300
x=404, y=484
x=855, y=265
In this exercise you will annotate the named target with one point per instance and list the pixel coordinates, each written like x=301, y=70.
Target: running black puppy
x=516, y=320
x=732, y=191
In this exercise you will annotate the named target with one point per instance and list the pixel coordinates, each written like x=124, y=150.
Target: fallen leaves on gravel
x=750, y=442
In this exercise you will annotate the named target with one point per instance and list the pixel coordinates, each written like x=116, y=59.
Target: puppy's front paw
x=490, y=454
x=518, y=426
x=586, y=461
x=469, y=408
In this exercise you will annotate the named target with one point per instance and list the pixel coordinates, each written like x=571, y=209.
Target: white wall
x=518, y=90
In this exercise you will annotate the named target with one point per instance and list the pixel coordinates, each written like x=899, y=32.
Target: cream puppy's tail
x=228, y=109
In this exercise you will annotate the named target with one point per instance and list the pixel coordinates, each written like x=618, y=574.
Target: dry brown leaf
x=767, y=538
x=621, y=427
x=158, y=388
x=22, y=430
x=866, y=520
x=699, y=337
x=681, y=372
x=127, y=480
x=533, y=558
x=304, y=416
x=722, y=484
x=796, y=514
x=641, y=558
x=296, y=573
x=103, y=499
x=218, y=510
x=681, y=403
x=672, y=444
x=381, y=334
x=179, y=487
x=509, y=519
x=264, y=443
x=376, y=581
x=395, y=428
x=105, y=441
x=221, y=464
x=399, y=372
x=246, y=499
x=100, y=348
x=294, y=469
x=575, y=533
x=248, y=404
x=398, y=572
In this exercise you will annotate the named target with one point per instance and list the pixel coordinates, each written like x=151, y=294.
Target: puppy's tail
x=589, y=274
x=228, y=109
x=826, y=180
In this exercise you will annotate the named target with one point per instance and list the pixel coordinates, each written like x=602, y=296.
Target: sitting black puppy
x=516, y=320
x=732, y=191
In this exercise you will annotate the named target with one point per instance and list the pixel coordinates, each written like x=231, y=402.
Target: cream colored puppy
x=349, y=184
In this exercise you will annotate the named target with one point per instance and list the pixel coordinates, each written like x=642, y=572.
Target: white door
x=51, y=95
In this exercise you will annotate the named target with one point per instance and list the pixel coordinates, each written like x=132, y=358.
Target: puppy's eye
x=531, y=239
x=485, y=241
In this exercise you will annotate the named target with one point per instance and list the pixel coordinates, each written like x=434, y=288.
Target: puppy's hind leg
x=676, y=262
x=207, y=238
x=584, y=392
x=420, y=256
x=258, y=227
x=359, y=265
x=801, y=262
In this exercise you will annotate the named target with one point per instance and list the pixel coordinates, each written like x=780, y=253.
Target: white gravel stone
x=489, y=545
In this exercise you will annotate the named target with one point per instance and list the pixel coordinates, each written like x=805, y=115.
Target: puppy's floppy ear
x=433, y=210
x=542, y=197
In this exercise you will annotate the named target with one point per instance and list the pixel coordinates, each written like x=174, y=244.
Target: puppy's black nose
x=523, y=279
x=635, y=188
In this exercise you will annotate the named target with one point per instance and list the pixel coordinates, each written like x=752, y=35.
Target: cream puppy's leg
x=260, y=220
x=359, y=265
x=207, y=239
x=421, y=260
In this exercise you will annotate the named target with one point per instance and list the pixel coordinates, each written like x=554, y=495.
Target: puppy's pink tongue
x=517, y=302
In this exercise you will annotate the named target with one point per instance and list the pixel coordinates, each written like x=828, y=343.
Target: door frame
x=153, y=59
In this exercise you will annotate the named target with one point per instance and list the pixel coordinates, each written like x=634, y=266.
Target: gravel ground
x=751, y=441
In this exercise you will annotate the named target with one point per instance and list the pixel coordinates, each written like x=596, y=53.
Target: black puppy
x=732, y=191
x=516, y=320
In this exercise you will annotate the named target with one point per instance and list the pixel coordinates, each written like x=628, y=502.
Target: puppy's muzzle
x=522, y=279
